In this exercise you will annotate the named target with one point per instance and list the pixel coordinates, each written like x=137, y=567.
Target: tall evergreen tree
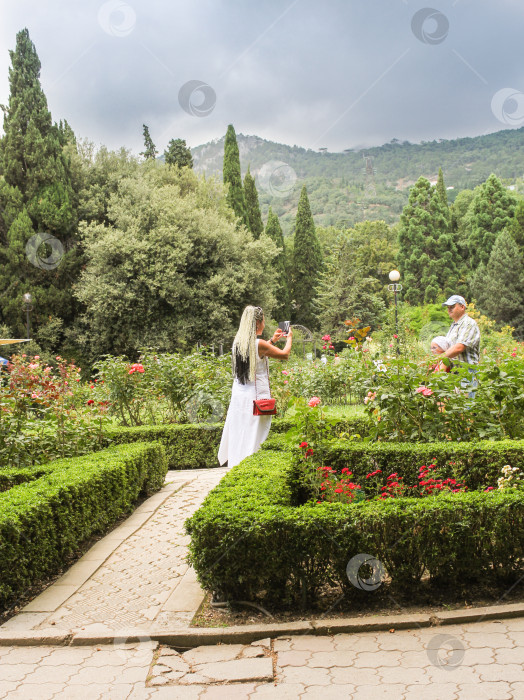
x=307, y=264
x=177, y=153
x=233, y=177
x=256, y=226
x=499, y=287
x=149, y=151
x=442, y=195
x=282, y=308
x=427, y=254
x=36, y=196
x=516, y=227
x=345, y=292
x=491, y=210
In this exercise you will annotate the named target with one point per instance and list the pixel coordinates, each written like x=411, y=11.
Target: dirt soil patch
x=332, y=603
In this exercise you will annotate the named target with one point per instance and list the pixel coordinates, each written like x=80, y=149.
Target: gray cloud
x=342, y=74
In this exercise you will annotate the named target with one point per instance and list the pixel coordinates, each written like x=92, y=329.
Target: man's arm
x=454, y=350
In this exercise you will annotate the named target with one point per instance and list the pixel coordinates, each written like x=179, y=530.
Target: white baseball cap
x=455, y=299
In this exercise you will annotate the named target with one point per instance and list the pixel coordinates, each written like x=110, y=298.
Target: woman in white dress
x=243, y=432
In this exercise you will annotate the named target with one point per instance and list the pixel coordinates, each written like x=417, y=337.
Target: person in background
x=243, y=432
x=463, y=338
x=439, y=345
x=464, y=334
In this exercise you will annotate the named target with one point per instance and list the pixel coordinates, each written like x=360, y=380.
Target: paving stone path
x=478, y=661
x=136, y=579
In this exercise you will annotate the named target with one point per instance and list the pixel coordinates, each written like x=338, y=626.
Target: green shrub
x=478, y=464
x=188, y=446
x=42, y=522
x=195, y=446
x=16, y=475
x=248, y=541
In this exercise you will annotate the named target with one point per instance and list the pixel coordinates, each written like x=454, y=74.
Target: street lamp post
x=394, y=276
x=28, y=307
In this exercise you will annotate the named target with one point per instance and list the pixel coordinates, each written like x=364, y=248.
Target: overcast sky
x=316, y=73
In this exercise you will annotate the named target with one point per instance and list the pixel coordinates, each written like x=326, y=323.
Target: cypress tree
x=499, y=288
x=516, y=227
x=307, y=264
x=442, y=195
x=36, y=196
x=273, y=229
x=254, y=216
x=149, y=151
x=427, y=254
x=177, y=153
x=233, y=178
x=491, y=210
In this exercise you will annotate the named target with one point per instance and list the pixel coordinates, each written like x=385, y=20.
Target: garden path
x=136, y=579
x=136, y=576
x=483, y=661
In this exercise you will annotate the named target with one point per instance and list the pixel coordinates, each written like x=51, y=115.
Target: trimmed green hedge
x=19, y=475
x=45, y=520
x=187, y=446
x=354, y=425
x=195, y=445
x=476, y=463
x=248, y=541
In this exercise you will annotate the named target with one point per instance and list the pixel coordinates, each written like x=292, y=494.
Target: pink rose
x=284, y=371
x=314, y=401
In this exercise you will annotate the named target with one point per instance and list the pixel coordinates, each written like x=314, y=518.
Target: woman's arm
x=266, y=349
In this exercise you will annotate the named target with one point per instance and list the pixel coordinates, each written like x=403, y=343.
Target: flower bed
x=248, y=541
x=43, y=521
x=477, y=464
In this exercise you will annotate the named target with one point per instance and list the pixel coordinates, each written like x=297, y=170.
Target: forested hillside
x=343, y=190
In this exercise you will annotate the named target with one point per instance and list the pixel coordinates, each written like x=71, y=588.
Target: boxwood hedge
x=187, y=446
x=43, y=521
x=248, y=541
x=476, y=463
x=195, y=446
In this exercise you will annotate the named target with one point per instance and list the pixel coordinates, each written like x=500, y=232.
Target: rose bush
x=46, y=413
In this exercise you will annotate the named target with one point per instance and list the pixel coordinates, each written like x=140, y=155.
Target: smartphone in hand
x=284, y=326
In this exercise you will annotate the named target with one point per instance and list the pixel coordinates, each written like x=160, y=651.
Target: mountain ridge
x=371, y=183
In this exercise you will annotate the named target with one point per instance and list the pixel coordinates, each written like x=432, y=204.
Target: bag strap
x=267, y=370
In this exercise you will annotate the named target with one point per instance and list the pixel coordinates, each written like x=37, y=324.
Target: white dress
x=243, y=432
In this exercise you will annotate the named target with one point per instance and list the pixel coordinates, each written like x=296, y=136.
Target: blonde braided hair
x=245, y=346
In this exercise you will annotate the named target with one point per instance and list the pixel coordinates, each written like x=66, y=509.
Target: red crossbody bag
x=264, y=407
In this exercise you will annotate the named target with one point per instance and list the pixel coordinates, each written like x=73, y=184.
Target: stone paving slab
x=422, y=665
